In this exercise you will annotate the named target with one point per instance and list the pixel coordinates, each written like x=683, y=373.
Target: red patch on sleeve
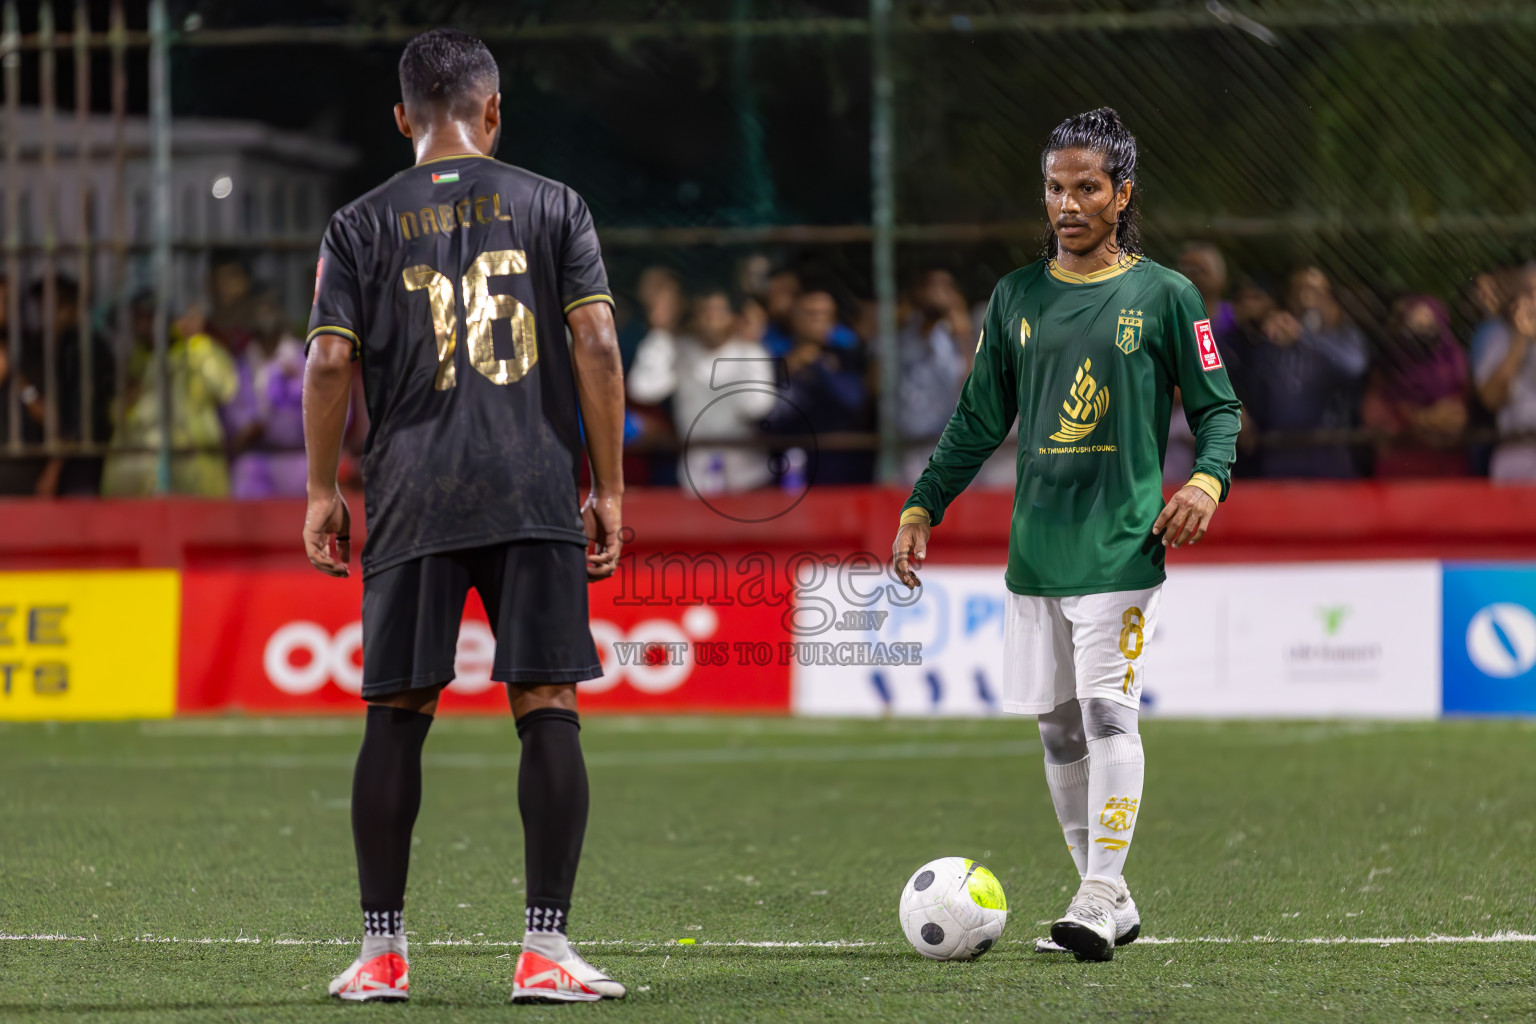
x=1205, y=338
x=319, y=266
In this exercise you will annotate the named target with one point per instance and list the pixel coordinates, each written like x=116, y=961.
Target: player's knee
x=1062, y=734
x=422, y=700
x=524, y=699
x=1105, y=718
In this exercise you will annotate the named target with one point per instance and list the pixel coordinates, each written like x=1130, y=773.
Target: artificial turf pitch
x=726, y=831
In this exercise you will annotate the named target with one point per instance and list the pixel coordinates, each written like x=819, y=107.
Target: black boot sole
x=1084, y=943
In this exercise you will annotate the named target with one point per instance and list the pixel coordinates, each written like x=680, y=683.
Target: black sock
x=552, y=795
x=386, y=794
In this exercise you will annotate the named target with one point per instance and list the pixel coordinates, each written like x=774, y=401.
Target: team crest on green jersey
x=1085, y=406
x=1128, y=331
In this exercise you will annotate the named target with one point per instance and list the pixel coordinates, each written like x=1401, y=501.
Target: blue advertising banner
x=1490, y=639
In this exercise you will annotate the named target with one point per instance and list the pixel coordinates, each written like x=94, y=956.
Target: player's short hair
x=450, y=70
x=1102, y=132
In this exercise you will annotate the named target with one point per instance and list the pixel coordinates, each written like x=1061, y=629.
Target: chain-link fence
x=833, y=185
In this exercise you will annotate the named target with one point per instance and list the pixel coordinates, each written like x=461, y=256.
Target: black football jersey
x=453, y=280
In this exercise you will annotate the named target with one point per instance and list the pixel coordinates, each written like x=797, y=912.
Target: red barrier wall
x=1261, y=522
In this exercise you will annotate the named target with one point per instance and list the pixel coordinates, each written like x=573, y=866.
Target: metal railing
x=100, y=256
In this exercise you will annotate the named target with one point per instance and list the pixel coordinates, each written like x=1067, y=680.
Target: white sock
x=1116, y=770
x=378, y=945
x=552, y=945
x=1068, y=784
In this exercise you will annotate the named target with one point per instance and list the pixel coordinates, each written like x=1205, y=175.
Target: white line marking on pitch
x=959, y=750
x=1255, y=940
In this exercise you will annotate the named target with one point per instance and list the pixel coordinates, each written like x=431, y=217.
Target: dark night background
x=1379, y=148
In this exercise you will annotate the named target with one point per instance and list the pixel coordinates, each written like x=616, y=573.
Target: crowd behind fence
x=154, y=289
x=767, y=377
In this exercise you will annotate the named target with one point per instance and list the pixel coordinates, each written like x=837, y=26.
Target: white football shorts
x=1093, y=645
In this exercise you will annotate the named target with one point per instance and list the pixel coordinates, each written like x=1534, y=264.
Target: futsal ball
x=953, y=909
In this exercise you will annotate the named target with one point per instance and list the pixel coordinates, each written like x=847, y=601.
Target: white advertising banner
x=1320, y=640
x=1329, y=639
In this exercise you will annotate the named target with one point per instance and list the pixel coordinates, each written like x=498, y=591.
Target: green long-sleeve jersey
x=1088, y=365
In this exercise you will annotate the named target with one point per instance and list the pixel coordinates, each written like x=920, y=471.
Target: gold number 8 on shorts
x=1131, y=640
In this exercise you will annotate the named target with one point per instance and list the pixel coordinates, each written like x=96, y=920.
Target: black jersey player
x=454, y=283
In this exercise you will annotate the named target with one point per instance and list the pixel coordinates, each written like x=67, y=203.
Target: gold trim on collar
x=1069, y=277
x=455, y=156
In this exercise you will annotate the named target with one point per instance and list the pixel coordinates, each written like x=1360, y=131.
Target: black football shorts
x=535, y=595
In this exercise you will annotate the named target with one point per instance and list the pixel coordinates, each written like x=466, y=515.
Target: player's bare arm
x=327, y=396
x=600, y=390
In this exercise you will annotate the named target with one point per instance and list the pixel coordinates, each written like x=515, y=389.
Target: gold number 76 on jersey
x=481, y=310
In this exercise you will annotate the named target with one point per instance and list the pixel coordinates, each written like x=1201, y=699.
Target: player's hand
x=1185, y=518
x=908, y=552
x=328, y=534
x=602, y=515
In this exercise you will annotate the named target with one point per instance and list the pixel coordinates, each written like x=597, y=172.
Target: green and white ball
x=953, y=909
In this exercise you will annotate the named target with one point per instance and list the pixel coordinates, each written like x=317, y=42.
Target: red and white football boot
x=562, y=978
x=385, y=977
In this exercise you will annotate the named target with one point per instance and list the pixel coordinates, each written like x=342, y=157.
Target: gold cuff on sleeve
x=1207, y=483
x=915, y=515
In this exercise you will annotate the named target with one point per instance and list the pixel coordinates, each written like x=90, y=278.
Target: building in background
x=236, y=185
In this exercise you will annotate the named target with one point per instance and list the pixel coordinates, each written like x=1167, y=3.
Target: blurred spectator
x=935, y=347
x=1488, y=294
x=1506, y=383
x=78, y=475
x=19, y=475
x=825, y=394
x=1206, y=269
x=1418, y=393
x=265, y=420
x=706, y=373
x=659, y=292
x=664, y=304
x=202, y=378
x=1307, y=376
x=780, y=290
x=232, y=318
x=780, y=304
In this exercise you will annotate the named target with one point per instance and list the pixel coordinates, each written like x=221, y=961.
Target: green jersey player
x=1085, y=349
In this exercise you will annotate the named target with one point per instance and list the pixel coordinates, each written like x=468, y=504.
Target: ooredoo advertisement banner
x=292, y=642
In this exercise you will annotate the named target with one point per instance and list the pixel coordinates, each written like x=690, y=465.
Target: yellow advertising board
x=88, y=645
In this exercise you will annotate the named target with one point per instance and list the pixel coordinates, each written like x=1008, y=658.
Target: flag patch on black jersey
x=444, y=177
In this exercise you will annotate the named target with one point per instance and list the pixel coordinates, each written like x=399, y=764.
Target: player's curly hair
x=448, y=69
x=1104, y=133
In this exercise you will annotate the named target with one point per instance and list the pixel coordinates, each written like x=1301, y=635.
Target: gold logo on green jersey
x=1024, y=332
x=1085, y=406
x=1128, y=331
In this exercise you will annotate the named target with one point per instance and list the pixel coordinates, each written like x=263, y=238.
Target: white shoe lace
x=1087, y=907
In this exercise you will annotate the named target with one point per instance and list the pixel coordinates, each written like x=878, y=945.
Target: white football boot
x=385, y=978
x=1087, y=929
x=550, y=971
x=1127, y=923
